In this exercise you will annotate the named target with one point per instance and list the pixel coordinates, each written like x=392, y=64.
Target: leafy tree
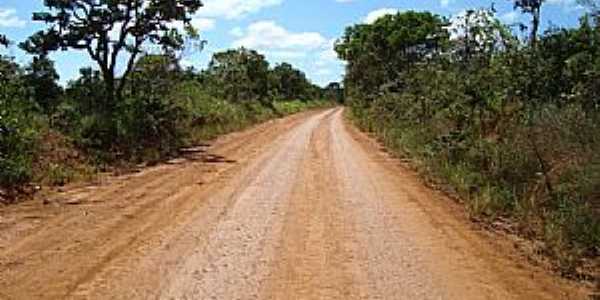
x=154, y=74
x=87, y=90
x=108, y=29
x=150, y=116
x=10, y=72
x=290, y=83
x=17, y=133
x=41, y=78
x=240, y=75
x=534, y=8
x=513, y=123
x=378, y=53
x=334, y=91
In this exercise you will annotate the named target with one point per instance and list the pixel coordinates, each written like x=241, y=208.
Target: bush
x=17, y=129
x=150, y=124
x=17, y=144
x=160, y=109
x=513, y=130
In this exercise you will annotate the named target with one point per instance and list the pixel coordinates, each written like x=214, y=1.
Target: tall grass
x=502, y=177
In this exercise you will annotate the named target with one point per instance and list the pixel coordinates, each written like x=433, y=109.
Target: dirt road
x=299, y=208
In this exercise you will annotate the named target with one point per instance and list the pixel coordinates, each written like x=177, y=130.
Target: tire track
x=308, y=208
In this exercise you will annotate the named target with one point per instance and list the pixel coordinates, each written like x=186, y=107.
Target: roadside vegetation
x=107, y=119
x=510, y=124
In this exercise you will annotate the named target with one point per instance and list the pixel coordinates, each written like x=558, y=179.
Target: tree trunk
x=536, y=26
x=109, y=82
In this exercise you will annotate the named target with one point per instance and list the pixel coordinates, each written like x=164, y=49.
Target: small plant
x=59, y=175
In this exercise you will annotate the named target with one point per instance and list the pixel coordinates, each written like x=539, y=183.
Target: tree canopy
x=290, y=83
x=107, y=29
x=510, y=125
x=392, y=44
x=239, y=75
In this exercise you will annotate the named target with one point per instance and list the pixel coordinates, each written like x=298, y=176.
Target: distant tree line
x=146, y=111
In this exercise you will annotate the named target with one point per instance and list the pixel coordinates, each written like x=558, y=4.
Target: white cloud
x=286, y=54
x=376, y=14
x=203, y=24
x=309, y=51
x=8, y=18
x=199, y=23
x=327, y=65
x=233, y=9
x=268, y=35
x=327, y=55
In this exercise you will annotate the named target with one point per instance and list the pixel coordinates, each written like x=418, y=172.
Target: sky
x=301, y=32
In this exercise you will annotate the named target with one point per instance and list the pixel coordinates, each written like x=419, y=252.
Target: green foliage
x=334, y=92
x=91, y=26
x=59, y=175
x=160, y=109
x=381, y=51
x=244, y=76
x=512, y=128
x=41, y=79
x=239, y=75
x=147, y=113
x=288, y=83
x=16, y=147
x=209, y=116
x=17, y=132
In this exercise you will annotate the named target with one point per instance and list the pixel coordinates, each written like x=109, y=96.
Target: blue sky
x=296, y=31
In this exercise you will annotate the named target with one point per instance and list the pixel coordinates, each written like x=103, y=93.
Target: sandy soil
x=304, y=207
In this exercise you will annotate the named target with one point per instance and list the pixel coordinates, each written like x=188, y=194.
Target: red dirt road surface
x=304, y=207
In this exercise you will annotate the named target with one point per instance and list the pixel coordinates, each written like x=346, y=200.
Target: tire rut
x=88, y=244
x=304, y=207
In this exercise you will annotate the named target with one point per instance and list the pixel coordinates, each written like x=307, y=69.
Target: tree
x=106, y=29
x=87, y=91
x=334, y=91
x=41, y=78
x=379, y=53
x=290, y=83
x=532, y=7
x=239, y=75
x=9, y=71
x=155, y=74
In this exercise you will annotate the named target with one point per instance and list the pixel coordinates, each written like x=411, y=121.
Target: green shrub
x=59, y=175
x=17, y=132
x=514, y=131
x=150, y=123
